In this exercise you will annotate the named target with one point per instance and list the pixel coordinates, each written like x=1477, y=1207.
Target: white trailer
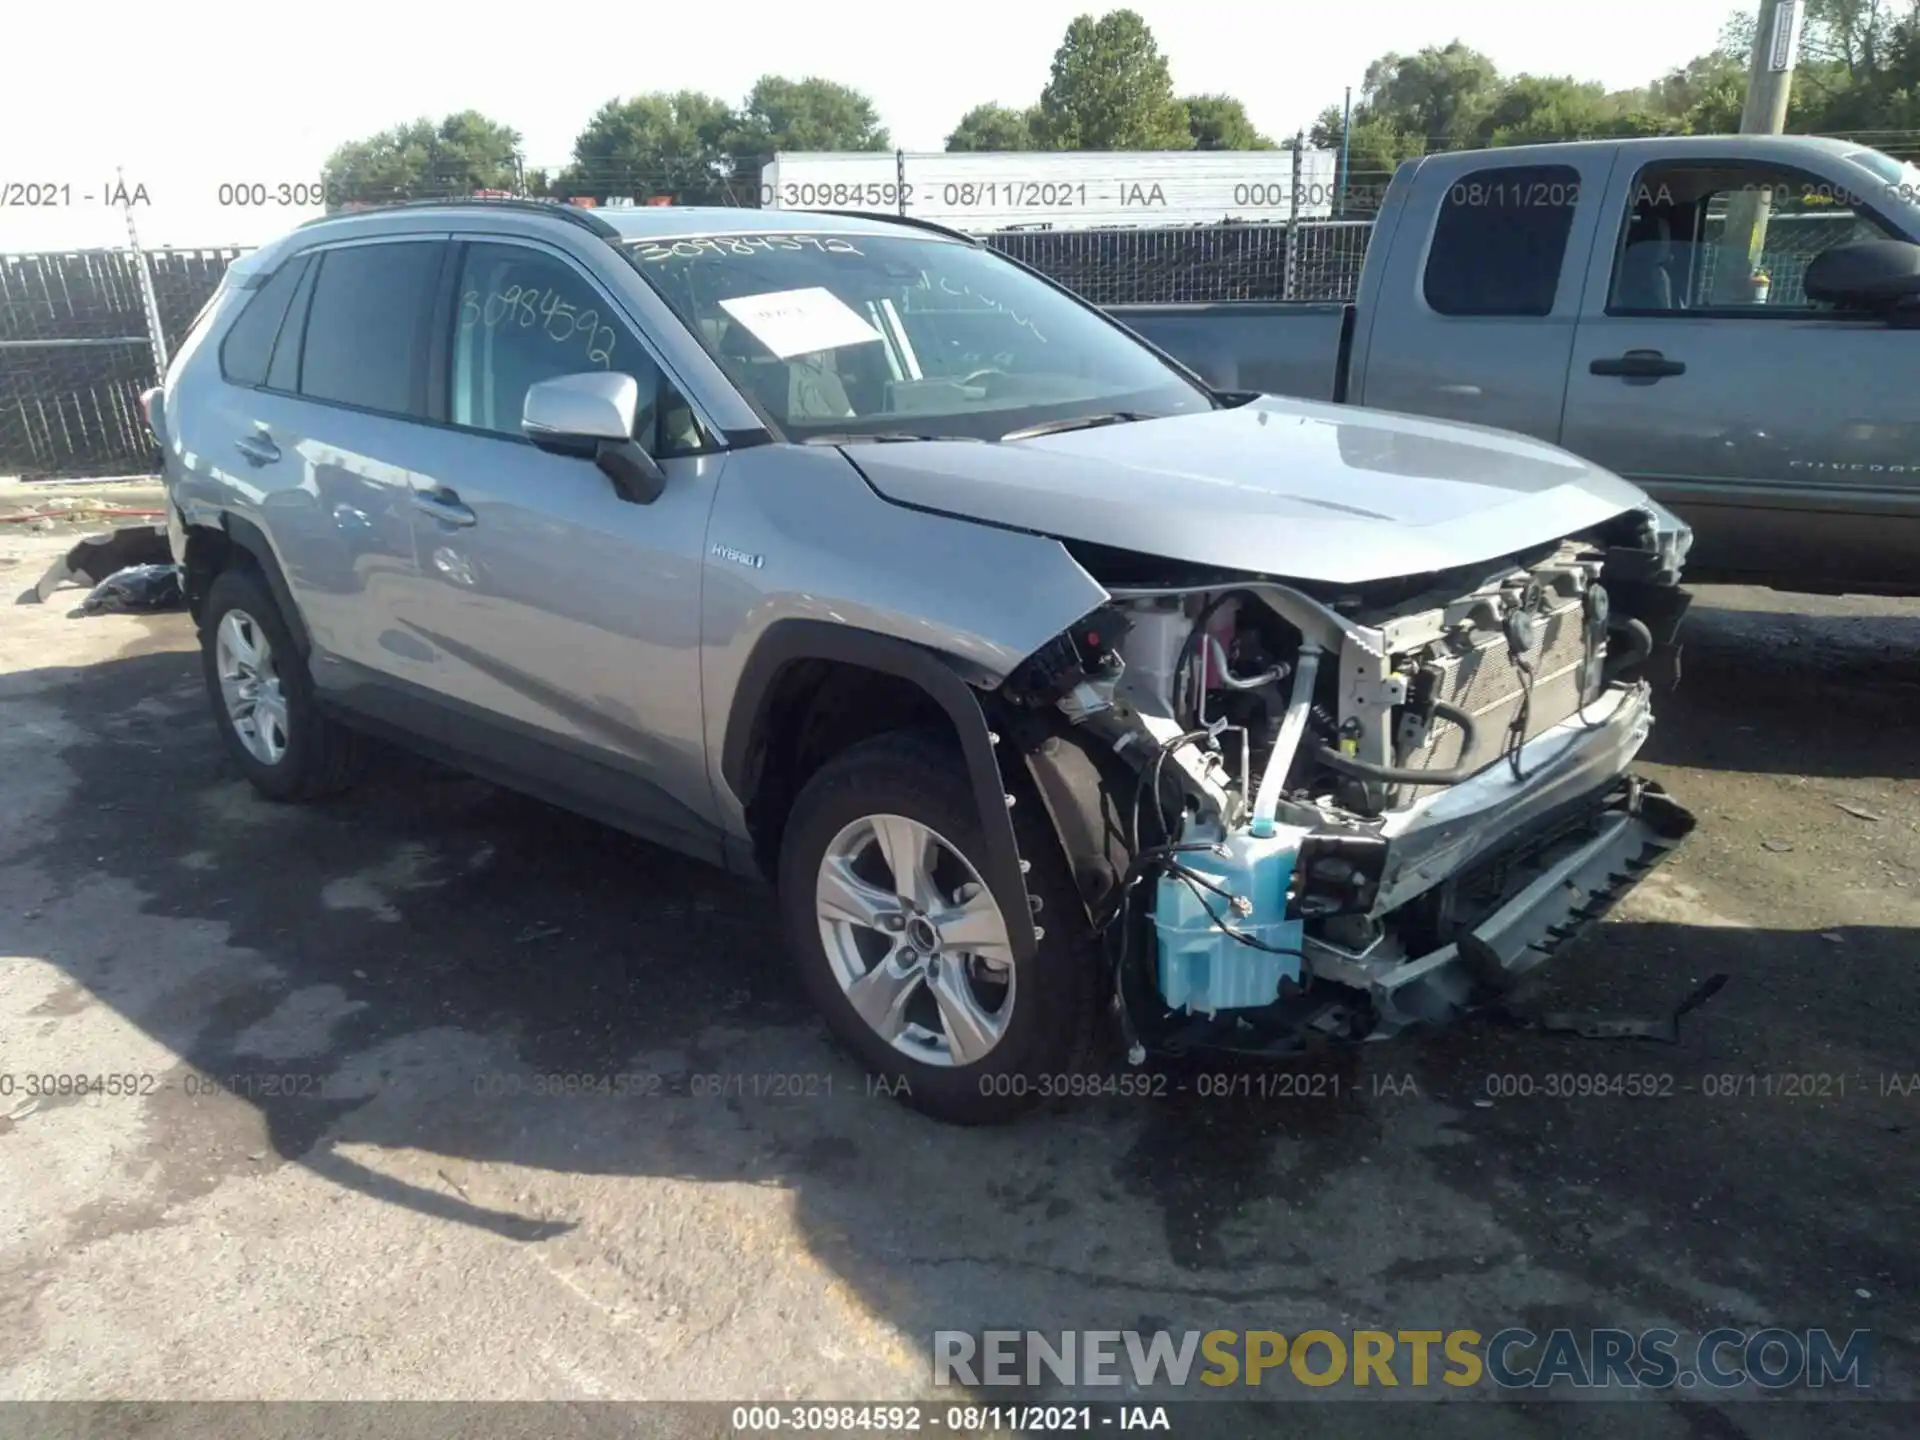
x=1066, y=190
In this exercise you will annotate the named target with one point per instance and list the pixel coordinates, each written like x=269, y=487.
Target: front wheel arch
x=753, y=716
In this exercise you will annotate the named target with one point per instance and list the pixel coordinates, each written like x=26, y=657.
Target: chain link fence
x=1324, y=258
x=1159, y=266
x=79, y=342
x=1791, y=243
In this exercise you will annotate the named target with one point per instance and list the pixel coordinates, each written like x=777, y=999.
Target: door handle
x=1639, y=365
x=444, y=506
x=259, y=449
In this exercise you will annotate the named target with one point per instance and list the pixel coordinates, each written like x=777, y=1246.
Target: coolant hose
x=1287, y=745
x=1391, y=775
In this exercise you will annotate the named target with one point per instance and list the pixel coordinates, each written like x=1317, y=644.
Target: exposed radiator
x=1479, y=677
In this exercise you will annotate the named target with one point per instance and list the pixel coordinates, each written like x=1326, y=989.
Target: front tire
x=905, y=949
x=263, y=700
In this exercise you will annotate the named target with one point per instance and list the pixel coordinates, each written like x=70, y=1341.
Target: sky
x=185, y=97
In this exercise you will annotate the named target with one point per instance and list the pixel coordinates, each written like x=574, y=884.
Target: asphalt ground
x=345, y=1168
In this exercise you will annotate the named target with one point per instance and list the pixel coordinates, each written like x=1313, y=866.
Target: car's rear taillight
x=150, y=406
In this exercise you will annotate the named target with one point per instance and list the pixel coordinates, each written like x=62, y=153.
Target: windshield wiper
x=1079, y=422
x=883, y=437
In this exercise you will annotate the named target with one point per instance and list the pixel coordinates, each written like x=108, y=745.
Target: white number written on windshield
x=746, y=246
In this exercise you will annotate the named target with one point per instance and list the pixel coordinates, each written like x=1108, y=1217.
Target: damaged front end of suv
x=1302, y=811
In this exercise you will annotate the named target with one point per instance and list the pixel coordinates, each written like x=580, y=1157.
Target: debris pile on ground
x=138, y=587
x=100, y=560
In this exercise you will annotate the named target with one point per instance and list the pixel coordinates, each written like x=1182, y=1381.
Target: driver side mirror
x=592, y=415
x=1872, y=275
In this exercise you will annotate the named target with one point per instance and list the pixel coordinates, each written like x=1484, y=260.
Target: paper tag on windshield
x=798, y=322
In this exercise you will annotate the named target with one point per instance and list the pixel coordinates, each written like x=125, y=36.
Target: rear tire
x=962, y=1032
x=263, y=698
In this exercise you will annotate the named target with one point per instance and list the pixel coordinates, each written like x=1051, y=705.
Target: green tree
x=660, y=144
x=810, y=114
x=1539, y=109
x=1854, y=35
x=425, y=159
x=1855, y=71
x=994, y=127
x=653, y=144
x=1440, y=94
x=1858, y=74
x=1858, y=69
x=1698, y=88
x=1110, y=89
x=1219, y=122
x=1375, y=148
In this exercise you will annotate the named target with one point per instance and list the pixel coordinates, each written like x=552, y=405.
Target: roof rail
x=914, y=220
x=572, y=214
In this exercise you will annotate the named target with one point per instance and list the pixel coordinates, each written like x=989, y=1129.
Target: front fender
x=797, y=535
x=804, y=560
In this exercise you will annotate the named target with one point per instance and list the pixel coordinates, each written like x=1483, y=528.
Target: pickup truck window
x=1500, y=241
x=1731, y=239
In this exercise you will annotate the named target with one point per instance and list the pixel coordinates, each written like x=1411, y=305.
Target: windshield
x=903, y=336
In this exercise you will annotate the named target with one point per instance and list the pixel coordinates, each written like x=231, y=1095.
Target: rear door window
x=367, y=326
x=1501, y=240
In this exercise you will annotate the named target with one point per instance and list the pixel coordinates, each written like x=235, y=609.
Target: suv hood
x=1285, y=488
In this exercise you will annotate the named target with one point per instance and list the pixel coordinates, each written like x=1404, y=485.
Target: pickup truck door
x=1473, y=314
x=563, y=619
x=1786, y=435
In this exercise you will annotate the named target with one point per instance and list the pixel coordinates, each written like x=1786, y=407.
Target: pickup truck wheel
x=263, y=700
x=905, y=949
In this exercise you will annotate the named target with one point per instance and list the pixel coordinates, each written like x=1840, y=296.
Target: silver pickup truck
x=1730, y=322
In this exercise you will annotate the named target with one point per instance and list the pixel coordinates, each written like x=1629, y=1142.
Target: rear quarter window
x=248, y=348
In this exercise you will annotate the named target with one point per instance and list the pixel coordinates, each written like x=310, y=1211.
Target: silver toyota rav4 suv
x=1062, y=696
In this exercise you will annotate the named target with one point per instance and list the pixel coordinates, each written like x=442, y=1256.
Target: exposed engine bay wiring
x=1271, y=750
x=1518, y=631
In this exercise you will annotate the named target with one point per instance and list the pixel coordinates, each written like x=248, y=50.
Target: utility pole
x=1738, y=277
x=1776, y=41
x=1346, y=135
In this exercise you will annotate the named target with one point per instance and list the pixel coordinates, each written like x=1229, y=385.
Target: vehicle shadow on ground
x=1818, y=695
x=393, y=972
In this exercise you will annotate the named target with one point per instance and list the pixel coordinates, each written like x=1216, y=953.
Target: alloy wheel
x=916, y=940
x=250, y=686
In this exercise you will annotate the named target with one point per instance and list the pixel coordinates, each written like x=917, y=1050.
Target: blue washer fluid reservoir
x=1202, y=968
